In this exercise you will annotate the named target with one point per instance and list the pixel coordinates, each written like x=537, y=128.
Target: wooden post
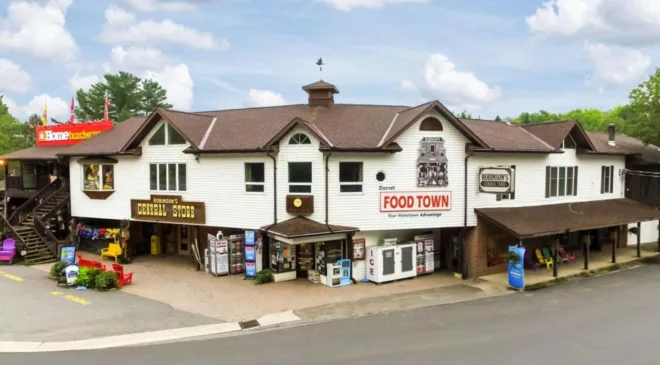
x=658, y=233
x=615, y=243
x=4, y=200
x=639, y=239
x=555, y=259
x=585, y=247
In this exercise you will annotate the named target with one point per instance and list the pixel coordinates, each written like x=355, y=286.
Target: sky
x=486, y=57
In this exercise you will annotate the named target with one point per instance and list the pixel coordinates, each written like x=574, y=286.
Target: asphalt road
x=606, y=320
x=38, y=310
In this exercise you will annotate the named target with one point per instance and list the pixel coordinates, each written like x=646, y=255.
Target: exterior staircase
x=27, y=224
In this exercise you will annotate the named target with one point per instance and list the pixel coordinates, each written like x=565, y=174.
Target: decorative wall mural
x=432, y=163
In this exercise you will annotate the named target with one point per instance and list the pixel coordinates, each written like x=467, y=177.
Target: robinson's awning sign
x=172, y=209
x=70, y=134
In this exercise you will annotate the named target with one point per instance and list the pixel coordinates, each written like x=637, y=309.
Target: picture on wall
x=432, y=163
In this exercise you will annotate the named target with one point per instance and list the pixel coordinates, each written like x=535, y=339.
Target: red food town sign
x=415, y=201
x=69, y=134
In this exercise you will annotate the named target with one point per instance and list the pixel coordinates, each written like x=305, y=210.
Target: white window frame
x=311, y=188
x=351, y=183
x=251, y=183
x=301, y=141
x=167, y=177
x=607, y=179
x=100, y=176
x=167, y=127
x=555, y=194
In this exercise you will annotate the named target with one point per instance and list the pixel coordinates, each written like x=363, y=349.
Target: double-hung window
x=607, y=179
x=167, y=177
x=561, y=181
x=350, y=177
x=300, y=177
x=254, y=177
x=98, y=177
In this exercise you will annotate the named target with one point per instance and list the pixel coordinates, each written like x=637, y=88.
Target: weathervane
x=320, y=64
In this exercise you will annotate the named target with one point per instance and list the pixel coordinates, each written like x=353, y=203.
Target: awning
x=299, y=229
x=545, y=220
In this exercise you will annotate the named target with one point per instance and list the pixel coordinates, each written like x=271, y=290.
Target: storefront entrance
x=305, y=254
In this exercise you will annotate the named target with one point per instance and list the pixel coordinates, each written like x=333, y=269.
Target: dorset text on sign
x=168, y=209
x=415, y=201
x=496, y=180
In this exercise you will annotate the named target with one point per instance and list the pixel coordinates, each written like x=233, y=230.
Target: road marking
x=71, y=298
x=11, y=277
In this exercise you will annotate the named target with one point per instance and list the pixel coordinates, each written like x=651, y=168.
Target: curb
x=144, y=338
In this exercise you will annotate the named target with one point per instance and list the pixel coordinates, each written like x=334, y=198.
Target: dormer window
x=430, y=124
x=568, y=142
x=299, y=138
x=166, y=135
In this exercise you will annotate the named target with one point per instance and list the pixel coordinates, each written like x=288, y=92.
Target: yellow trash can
x=155, y=245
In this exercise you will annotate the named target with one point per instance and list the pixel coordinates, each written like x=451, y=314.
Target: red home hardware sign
x=415, y=201
x=69, y=134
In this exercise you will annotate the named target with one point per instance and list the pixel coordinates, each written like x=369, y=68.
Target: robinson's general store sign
x=496, y=180
x=164, y=208
x=415, y=201
x=69, y=134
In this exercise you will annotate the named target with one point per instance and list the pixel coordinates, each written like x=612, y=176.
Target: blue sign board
x=250, y=254
x=68, y=254
x=249, y=238
x=250, y=270
x=517, y=270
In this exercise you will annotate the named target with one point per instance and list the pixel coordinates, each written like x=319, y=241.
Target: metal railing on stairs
x=43, y=230
x=8, y=230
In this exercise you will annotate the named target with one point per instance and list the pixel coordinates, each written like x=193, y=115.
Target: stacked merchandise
x=425, y=264
x=236, y=253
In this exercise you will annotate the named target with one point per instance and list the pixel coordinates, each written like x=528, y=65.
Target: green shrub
x=264, y=276
x=87, y=277
x=56, y=270
x=105, y=281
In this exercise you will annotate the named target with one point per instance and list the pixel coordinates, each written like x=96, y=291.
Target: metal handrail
x=42, y=229
x=4, y=225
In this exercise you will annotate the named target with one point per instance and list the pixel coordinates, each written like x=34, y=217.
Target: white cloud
x=260, y=98
x=178, y=83
x=348, y=5
x=617, y=65
x=617, y=21
x=457, y=89
x=38, y=30
x=77, y=82
x=122, y=27
x=138, y=58
x=149, y=6
x=57, y=108
x=12, y=78
x=408, y=85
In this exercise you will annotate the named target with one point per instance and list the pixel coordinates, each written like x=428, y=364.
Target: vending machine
x=425, y=254
x=338, y=273
x=250, y=255
x=236, y=254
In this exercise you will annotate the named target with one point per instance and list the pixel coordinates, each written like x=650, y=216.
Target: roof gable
x=191, y=126
x=311, y=128
x=553, y=133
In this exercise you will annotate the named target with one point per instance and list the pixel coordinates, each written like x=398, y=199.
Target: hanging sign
x=69, y=134
x=164, y=208
x=496, y=180
x=517, y=270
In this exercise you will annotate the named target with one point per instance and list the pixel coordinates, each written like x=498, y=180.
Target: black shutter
x=547, y=181
x=513, y=194
x=602, y=179
x=575, y=184
x=611, y=179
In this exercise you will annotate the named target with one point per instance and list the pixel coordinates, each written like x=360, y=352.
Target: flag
x=73, y=107
x=105, y=109
x=44, y=117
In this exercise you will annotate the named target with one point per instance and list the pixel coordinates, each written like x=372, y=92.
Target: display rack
x=237, y=253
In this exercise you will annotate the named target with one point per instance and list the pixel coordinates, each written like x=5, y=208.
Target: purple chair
x=8, y=250
x=529, y=262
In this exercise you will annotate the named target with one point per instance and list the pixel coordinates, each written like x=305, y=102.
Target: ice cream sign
x=415, y=201
x=69, y=134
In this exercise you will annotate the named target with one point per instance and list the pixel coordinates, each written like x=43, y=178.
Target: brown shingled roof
x=544, y=220
x=303, y=226
x=106, y=143
x=36, y=153
x=502, y=136
x=625, y=145
x=552, y=133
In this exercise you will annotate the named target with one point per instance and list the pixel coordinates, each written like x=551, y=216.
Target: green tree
x=30, y=137
x=498, y=119
x=13, y=133
x=129, y=96
x=645, y=110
